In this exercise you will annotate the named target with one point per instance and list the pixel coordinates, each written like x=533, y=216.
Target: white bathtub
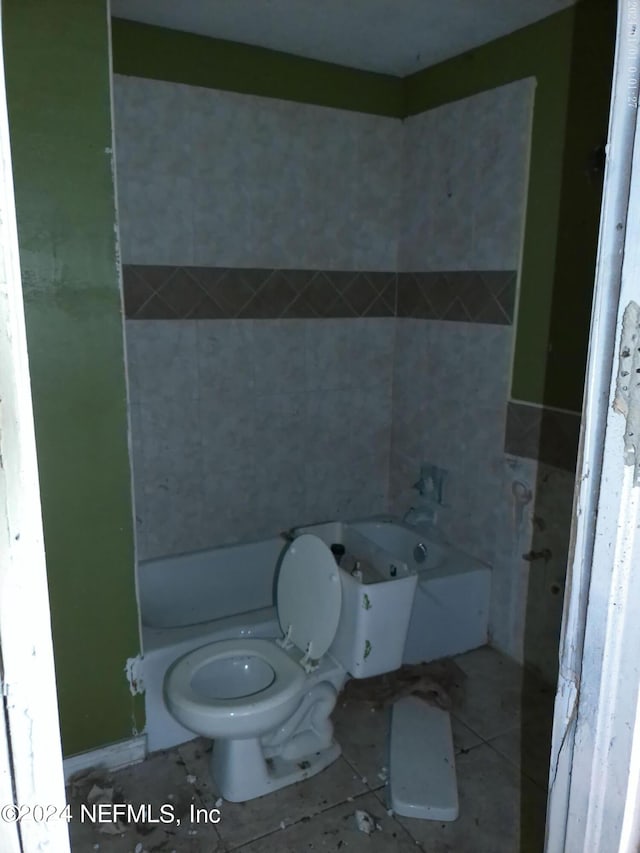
x=192, y=589
x=193, y=599
x=451, y=606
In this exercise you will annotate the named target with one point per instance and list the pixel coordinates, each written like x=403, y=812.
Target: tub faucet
x=431, y=483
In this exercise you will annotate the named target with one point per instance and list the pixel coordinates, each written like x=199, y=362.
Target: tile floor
x=501, y=732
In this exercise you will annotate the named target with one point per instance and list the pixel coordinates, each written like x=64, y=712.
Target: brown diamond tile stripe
x=217, y=293
x=547, y=435
x=469, y=296
x=154, y=292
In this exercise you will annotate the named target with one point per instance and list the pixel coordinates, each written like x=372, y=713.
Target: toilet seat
x=202, y=712
x=309, y=598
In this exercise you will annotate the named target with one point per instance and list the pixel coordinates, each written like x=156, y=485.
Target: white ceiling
x=391, y=36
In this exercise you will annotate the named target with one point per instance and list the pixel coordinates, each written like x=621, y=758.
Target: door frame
x=595, y=754
x=31, y=775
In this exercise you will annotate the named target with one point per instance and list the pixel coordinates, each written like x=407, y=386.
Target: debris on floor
x=82, y=782
x=318, y=816
x=365, y=822
x=95, y=787
x=439, y=683
x=156, y=840
x=99, y=795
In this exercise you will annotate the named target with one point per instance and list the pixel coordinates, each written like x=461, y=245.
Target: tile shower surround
x=270, y=417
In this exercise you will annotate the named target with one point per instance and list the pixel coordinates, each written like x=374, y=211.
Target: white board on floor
x=422, y=771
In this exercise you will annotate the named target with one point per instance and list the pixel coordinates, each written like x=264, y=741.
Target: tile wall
x=450, y=387
x=464, y=182
x=253, y=225
x=244, y=428
x=212, y=178
x=530, y=562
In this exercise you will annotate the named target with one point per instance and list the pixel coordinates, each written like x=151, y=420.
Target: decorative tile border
x=469, y=296
x=548, y=435
x=217, y=293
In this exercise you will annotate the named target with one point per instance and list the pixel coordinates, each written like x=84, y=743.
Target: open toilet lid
x=309, y=595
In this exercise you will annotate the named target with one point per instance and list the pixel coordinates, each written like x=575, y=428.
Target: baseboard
x=115, y=756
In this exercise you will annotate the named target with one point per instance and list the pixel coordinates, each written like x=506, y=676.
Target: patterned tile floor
x=501, y=734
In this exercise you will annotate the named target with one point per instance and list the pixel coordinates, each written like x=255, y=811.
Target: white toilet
x=266, y=703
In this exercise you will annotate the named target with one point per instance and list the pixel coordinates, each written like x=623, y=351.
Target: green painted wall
x=141, y=50
x=579, y=220
x=57, y=70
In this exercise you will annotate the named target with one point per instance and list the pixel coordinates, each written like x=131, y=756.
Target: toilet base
x=240, y=771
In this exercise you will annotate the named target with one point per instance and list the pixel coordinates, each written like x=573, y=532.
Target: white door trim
x=9, y=834
x=33, y=760
x=596, y=704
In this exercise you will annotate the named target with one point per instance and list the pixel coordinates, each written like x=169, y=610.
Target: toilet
x=266, y=703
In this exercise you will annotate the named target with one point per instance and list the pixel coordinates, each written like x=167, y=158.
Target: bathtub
x=202, y=597
x=450, y=612
x=204, y=586
x=197, y=598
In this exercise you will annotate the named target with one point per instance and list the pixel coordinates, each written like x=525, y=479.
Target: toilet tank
x=377, y=598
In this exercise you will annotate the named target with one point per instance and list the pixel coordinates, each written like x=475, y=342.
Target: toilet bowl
x=234, y=688
x=267, y=703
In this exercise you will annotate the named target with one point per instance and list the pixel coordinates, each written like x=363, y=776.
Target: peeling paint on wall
x=133, y=671
x=627, y=399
